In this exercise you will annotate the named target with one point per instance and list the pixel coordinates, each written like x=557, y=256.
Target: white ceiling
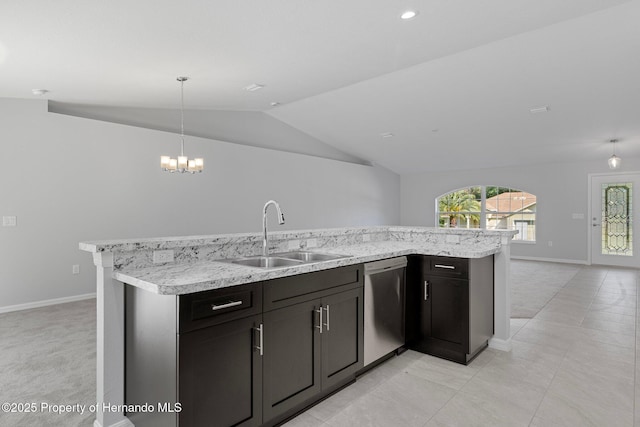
x=347, y=71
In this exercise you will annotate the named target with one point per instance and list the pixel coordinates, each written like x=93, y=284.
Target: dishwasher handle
x=385, y=265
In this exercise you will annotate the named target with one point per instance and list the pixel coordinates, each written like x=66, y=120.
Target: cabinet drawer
x=292, y=290
x=209, y=308
x=448, y=267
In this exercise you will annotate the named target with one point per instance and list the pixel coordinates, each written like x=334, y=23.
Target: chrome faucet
x=265, y=238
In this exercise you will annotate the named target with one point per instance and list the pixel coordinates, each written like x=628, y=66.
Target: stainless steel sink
x=310, y=256
x=286, y=259
x=265, y=261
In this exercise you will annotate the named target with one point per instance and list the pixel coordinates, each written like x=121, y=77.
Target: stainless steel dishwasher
x=384, y=301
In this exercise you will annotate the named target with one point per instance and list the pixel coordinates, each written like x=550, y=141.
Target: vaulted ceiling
x=449, y=89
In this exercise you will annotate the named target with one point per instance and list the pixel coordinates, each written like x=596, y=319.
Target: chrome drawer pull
x=327, y=324
x=260, y=330
x=320, y=322
x=227, y=305
x=448, y=267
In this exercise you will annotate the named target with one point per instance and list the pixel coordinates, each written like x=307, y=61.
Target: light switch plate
x=577, y=216
x=9, y=221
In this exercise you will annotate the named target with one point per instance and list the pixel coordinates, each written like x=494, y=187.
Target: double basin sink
x=285, y=259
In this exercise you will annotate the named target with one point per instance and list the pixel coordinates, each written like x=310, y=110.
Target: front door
x=614, y=226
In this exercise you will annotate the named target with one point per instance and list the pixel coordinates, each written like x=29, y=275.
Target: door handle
x=327, y=322
x=426, y=290
x=260, y=347
x=319, y=325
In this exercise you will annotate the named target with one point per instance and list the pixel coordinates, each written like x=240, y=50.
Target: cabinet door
x=220, y=380
x=448, y=301
x=291, y=359
x=342, y=336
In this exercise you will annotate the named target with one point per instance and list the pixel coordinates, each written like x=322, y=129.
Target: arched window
x=490, y=207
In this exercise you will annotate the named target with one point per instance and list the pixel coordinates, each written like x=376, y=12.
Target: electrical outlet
x=293, y=245
x=452, y=238
x=9, y=221
x=161, y=257
x=550, y=243
x=312, y=243
x=75, y=269
x=366, y=237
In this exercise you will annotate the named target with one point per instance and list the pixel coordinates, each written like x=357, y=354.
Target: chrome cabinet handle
x=448, y=267
x=327, y=322
x=426, y=290
x=260, y=347
x=319, y=326
x=227, y=305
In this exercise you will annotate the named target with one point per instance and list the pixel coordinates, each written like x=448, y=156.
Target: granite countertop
x=185, y=278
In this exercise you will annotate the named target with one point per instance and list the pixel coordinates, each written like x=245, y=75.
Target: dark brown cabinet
x=313, y=338
x=291, y=358
x=450, y=306
x=221, y=375
x=248, y=355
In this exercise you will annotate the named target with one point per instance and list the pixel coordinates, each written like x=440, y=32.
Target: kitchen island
x=186, y=265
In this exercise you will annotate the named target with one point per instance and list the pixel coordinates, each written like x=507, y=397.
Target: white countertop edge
x=115, y=245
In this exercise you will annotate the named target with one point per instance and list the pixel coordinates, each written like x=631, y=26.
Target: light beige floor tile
x=471, y=411
x=425, y=396
x=569, y=411
x=533, y=352
x=621, y=340
x=612, y=308
x=608, y=326
x=565, y=304
x=617, y=300
x=523, y=396
x=592, y=358
x=611, y=317
x=618, y=289
x=538, y=372
x=373, y=411
x=304, y=420
x=516, y=325
x=613, y=392
x=580, y=292
x=572, y=317
x=445, y=372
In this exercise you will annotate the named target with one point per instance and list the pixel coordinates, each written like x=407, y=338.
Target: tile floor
x=573, y=364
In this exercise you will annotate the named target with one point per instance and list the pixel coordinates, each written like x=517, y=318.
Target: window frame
x=483, y=210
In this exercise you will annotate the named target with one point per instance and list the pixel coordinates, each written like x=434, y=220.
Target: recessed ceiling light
x=253, y=87
x=275, y=104
x=39, y=92
x=409, y=14
x=386, y=135
x=543, y=109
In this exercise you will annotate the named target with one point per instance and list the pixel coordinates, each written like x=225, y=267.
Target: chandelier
x=182, y=164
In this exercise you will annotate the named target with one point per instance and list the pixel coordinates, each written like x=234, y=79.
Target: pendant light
x=182, y=164
x=614, y=161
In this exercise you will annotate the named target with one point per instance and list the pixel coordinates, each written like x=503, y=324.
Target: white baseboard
x=563, y=261
x=499, y=344
x=45, y=303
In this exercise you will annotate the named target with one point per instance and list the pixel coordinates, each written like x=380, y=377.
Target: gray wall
x=561, y=188
x=69, y=179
